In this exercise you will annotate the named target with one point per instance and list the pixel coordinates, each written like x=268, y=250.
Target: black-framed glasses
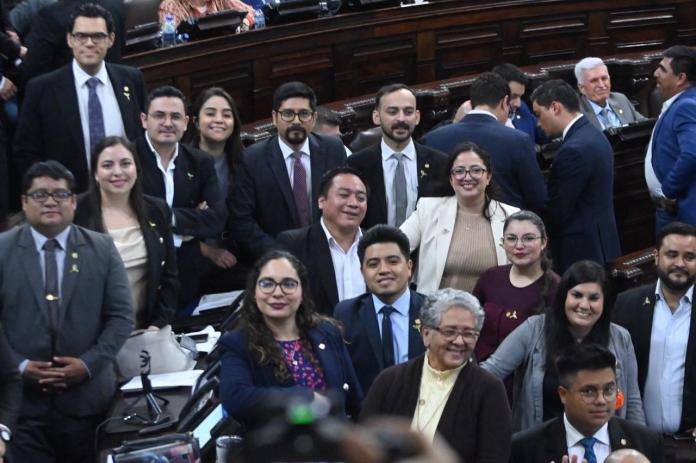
x=475, y=172
x=288, y=115
x=161, y=116
x=41, y=196
x=96, y=37
x=525, y=239
x=451, y=334
x=590, y=394
x=287, y=285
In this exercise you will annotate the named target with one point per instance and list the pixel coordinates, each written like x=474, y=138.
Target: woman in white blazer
x=459, y=234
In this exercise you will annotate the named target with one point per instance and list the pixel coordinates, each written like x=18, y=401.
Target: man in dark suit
x=68, y=111
x=329, y=248
x=185, y=179
x=66, y=311
x=398, y=170
x=277, y=185
x=588, y=430
x=662, y=323
x=382, y=326
x=580, y=210
x=516, y=171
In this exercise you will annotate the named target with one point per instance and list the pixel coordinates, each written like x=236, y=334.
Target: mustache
x=297, y=128
x=400, y=125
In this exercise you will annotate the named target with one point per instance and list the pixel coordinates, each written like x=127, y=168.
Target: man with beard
x=277, y=184
x=662, y=324
x=398, y=170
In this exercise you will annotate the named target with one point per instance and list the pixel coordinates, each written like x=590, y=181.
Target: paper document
x=208, y=345
x=214, y=301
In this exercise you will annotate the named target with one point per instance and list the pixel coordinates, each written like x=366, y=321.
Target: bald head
x=626, y=456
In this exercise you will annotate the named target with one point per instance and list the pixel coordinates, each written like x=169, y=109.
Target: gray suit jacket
x=619, y=103
x=96, y=315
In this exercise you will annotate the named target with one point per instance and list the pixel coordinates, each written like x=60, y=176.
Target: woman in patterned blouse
x=185, y=10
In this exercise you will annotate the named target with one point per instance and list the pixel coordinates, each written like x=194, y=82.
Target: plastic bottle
x=259, y=17
x=168, y=32
x=324, y=9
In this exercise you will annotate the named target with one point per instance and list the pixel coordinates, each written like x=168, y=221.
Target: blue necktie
x=94, y=114
x=588, y=444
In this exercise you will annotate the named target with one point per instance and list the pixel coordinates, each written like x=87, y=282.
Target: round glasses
x=41, y=196
x=512, y=240
x=288, y=115
x=287, y=285
x=451, y=334
x=590, y=394
x=475, y=172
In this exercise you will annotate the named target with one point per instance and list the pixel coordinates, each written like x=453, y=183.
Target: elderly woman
x=186, y=10
x=578, y=314
x=457, y=233
x=443, y=391
x=282, y=347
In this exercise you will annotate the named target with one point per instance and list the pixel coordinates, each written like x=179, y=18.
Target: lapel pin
x=646, y=301
x=74, y=255
x=74, y=269
x=161, y=240
x=322, y=346
x=623, y=442
x=126, y=92
x=345, y=386
x=621, y=111
x=417, y=324
x=190, y=175
x=511, y=314
x=152, y=224
x=51, y=297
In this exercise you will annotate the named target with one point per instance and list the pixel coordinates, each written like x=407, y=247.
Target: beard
x=398, y=125
x=295, y=135
x=675, y=285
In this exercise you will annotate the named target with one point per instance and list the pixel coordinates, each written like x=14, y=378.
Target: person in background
x=10, y=394
x=190, y=10
x=328, y=123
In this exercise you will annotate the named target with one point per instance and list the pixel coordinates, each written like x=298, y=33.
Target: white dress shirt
x=654, y=185
x=168, y=177
x=290, y=165
x=570, y=124
x=389, y=163
x=113, y=123
x=400, y=319
x=602, y=447
x=664, y=385
x=346, y=264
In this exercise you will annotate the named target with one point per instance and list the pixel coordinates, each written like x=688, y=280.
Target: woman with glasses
x=139, y=225
x=443, y=391
x=578, y=315
x=281, y=347
x=513, y=292
x=457, y=233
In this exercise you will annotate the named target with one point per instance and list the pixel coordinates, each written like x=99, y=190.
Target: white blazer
x=431, y=226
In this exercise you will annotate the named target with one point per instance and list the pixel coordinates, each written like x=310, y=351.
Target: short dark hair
x=51, y=169
x=326, y=116
x=383, y=234
x=556, y=90
x=683, y=60
x=576, y=357
x=165, y=91
x=391, y=88
x=294, y=90
x=488, y=89
x=91, y=10
x=675, y=228
x=511, y=73
x=327, y=179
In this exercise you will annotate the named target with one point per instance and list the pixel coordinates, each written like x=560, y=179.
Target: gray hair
x=586, y=64
x=444, y=299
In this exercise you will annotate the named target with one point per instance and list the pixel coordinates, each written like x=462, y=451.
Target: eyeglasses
x=41, y=196
x=525, y=239
x=97, y=37
x=161, y=116
x=287, y=285
x=590, y=394
x=288, y=115
x=451, y=334
x=475, y=172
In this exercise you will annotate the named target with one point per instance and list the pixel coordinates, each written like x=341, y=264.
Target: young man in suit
x=660, y=318
x=580, y=209
x=398, y=170
x=588, y=430
x=382, y=326
x=66, y=310
x=329, y=248
x=277, y=185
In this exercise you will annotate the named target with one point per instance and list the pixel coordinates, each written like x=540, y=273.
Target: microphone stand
x=154, y=409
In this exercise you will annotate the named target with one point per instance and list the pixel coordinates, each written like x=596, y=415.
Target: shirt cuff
x=89, y=373
x=23, y=365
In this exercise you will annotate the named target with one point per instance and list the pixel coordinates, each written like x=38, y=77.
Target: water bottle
x=324, y=9
x=259, y=17
x=168, y=32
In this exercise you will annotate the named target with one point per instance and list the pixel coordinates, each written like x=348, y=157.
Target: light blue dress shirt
x=400, y=320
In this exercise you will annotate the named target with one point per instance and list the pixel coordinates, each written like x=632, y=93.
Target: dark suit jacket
x=516, y=171
x=162, y=280
x=96, y=315
x=547, y=441
x=634, y=311
x=49, y=124
x=362, y=334
x=10, y=385
x=245, y=386
x=580, y=211
x=431, y=167
x=263, y=205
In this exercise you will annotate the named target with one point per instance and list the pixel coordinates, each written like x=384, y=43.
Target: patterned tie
x=51, y=285
x=400, y=196
x=604, y=118
x=387, y=335
x=588, y=443
x=299, y=189
x=95, y=114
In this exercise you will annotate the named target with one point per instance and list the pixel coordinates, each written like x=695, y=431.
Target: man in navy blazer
x=670, y=163
x=580, y=211
x=271, y=171
x=386, y=266
x=516, y=171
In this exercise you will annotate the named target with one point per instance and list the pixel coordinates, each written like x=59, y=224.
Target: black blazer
x=431, y=168
x=10, y=384
x=362, y=334
x=162, y=279
x=547, y=441
x=263, y=205
x=49, y=124
x=634, y=311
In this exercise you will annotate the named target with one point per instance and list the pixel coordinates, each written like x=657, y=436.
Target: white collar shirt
x=570, y=124
x=602, y=448
x=389, y=163
x=400, y=319
x=168, y=178
x=346, y=264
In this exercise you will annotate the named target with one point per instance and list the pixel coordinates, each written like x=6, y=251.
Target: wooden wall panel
x=463, y=50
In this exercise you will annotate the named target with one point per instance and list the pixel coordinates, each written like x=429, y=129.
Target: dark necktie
x=400, y=195
x=94, y=114
x=299, y=189
x=51, y=285
x=387, y=335
x=588, y=443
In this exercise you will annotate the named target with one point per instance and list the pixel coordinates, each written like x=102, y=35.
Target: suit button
x=162, y=263
x=345, y=386
x=161, y=240
x=322, y=346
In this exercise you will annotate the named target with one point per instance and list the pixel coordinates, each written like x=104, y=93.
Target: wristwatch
x=5, y=433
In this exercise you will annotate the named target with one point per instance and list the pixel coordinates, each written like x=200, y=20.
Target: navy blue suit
x=526, y=121
x=580, y=212
x=245, y=385
x=516, y=171
x=362, y=333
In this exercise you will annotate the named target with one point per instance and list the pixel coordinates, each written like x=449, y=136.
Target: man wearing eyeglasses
x=68, y=111
x=66, y=310
x=588, y=431
x=277, y=185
